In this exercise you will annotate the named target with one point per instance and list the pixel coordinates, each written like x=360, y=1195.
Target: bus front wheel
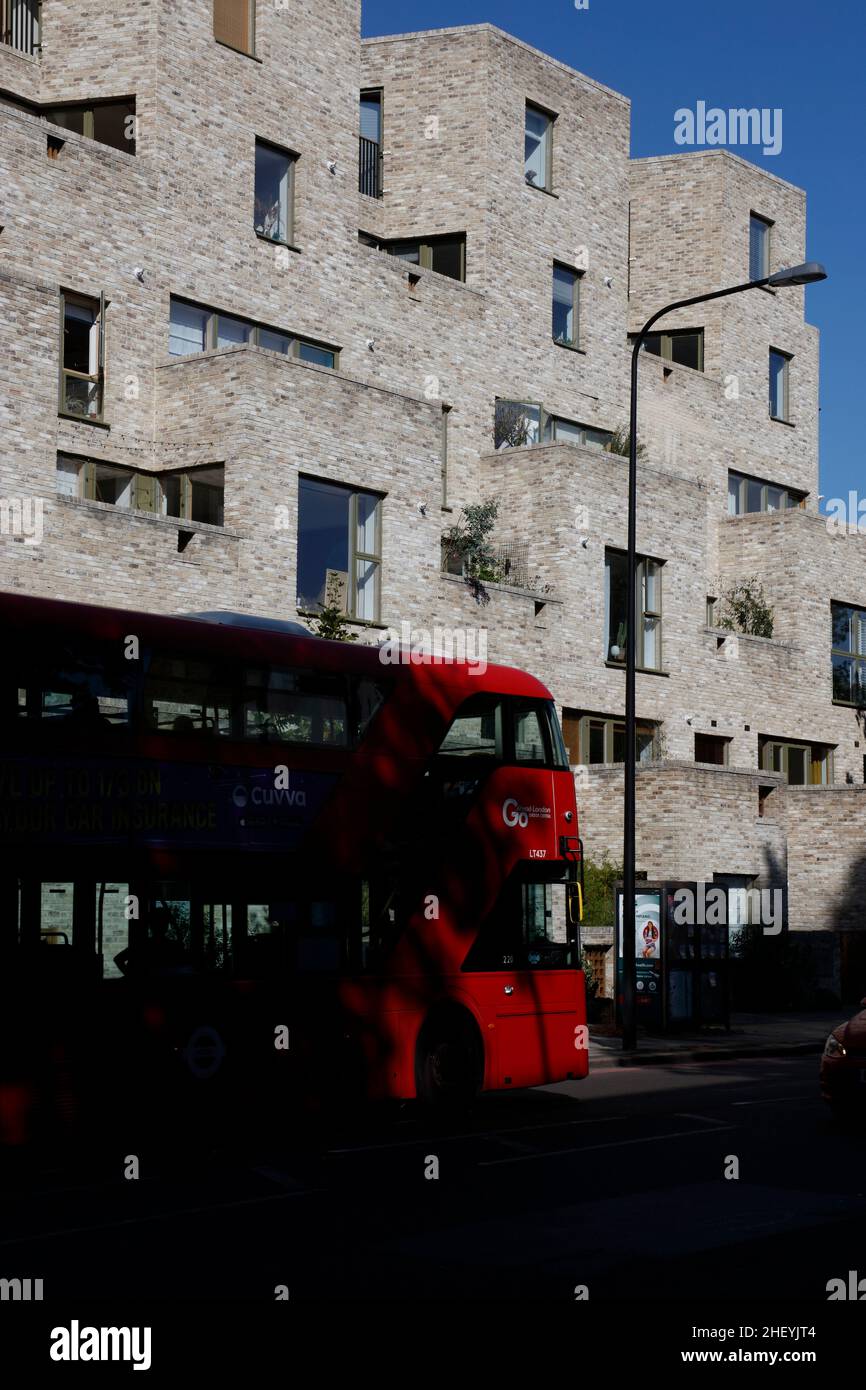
x=449, y=1061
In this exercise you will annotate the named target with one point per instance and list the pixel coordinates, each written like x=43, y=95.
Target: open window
x=648, y=606
x=82, y=355
x=684, y=346
x=600, y=738
x=801, y=764
x=194, y=495
x=107, y=122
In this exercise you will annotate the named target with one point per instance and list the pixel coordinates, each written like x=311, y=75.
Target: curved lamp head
x=805, y=274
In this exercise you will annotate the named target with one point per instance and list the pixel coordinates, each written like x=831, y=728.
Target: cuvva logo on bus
x=269, y=796
x=515, y=814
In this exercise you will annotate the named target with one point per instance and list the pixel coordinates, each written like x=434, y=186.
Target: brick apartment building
x=271, y=298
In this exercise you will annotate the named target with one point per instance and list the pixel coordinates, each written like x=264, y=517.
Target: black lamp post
x=805, y=274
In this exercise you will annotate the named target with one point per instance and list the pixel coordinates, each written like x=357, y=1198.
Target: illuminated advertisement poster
x=648, y=955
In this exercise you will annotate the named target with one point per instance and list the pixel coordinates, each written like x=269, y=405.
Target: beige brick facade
x=642, y=232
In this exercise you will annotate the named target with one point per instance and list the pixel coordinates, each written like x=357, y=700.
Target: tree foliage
x=598, y=880
x=620, y=443
x=331, y=622
x=745, y=609
x=469, y=543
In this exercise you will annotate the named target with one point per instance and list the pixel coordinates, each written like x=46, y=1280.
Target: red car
x=843, y=1065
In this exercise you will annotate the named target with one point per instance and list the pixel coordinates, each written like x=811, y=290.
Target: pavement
x=750, y=1035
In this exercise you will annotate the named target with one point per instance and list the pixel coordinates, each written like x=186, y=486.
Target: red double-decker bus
x=243, y=860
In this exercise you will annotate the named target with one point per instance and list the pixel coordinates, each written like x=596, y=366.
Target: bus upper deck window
x=184, y=696
x=530, y=735
x=296, y=707
x=476, y=730
x=80, y=688
x=537, y=735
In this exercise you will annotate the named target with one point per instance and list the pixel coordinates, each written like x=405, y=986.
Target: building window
x=759, y=247
x=338, y=549
x=19, y=25
x=566, y=305
x=108, y=122
x=234, y=24
x=712, y=748
x=685, y=347
x=188, y=329
x=517, y=423
x=753, y=495
x=712, y=610
x=600, y=738
x=313, y=352
x=370, y=144
x=801, y=764
x=82, y=355
x=538, y=147
x=231, y=331
x=849, y=654
x=274, y=193
x=559, y=431
x=194, y=495
x=444, y=254
x=779, y=385
x=194, y=328
x=648, y=601
x=443, y=453
x=95, y=481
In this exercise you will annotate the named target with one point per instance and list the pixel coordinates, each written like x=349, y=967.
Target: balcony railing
x=20, y=25
x=370, y=167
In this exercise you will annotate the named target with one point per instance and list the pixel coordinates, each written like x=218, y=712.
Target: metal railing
x=20, y=26
x=370, y=167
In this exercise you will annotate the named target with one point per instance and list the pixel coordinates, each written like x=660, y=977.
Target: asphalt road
x=617, y=1183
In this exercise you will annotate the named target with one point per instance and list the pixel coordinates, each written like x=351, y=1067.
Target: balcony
x=369, y=167
x=20, y=25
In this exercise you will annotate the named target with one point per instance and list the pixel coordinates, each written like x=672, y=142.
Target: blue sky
x=807, y=59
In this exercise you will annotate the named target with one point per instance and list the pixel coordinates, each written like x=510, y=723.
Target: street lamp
x=805, y=274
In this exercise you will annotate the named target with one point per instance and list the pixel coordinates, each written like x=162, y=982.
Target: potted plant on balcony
x=467, y=548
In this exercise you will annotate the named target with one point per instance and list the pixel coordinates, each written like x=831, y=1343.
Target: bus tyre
x=449, y=1062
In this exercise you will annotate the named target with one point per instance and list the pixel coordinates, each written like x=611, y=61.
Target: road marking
x=778, y=1100
x=475, y=1134
x=277, y=1175
x=159, y=1216
x=615, y=1144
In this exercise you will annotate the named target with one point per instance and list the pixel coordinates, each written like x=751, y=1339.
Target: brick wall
x=646, y=231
